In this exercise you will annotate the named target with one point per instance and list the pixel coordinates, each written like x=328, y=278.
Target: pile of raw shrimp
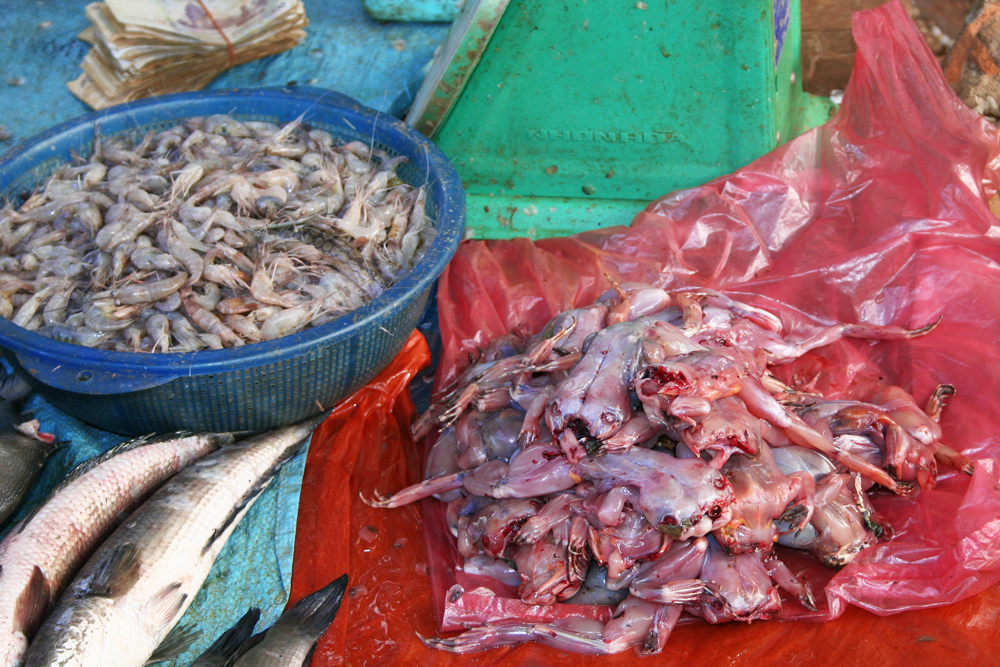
x=209, y=234
x=638, y=453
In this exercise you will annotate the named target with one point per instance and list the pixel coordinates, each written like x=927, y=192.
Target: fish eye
x=715, y=512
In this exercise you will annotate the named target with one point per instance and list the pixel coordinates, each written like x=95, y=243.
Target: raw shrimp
x=150, y=292
x=244, y=327
x=158, y=328
x=287, y=321
x=28, y=309
x=105, y=316
x=183, y=332
x=209, y=323
x=153, y=259
x=235, y=204
x=191, y=260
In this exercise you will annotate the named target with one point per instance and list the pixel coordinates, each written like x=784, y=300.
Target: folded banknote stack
x=151, y=47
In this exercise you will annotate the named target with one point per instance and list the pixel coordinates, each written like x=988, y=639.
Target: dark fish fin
x=57, y=444
x=116, y=575
x=253, y=492
x=176, y=642
x=31, y=603
x=247, y=646
x=314, y=613
x=229, y=642
x=166, y=604
x=247, y=498
x=128, y=445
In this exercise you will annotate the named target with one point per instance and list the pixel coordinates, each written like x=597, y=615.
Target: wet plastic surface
x=356, y=451
x=363, y=446
x=879, y=216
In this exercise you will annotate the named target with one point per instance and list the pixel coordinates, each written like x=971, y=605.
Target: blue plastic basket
x=258, y=386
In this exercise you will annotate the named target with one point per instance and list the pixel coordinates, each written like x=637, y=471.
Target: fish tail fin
x=176, y=642
x=31, y=603
x=247, y=646
x=230, y=642
x=314, y=613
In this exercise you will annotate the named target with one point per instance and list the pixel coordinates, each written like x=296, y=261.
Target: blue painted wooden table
x=345, y=50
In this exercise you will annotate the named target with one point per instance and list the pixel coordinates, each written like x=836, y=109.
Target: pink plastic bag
x=880, y=216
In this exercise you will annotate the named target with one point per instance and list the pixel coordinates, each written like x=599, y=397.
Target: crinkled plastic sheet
x=357, y=450
x=881, y=216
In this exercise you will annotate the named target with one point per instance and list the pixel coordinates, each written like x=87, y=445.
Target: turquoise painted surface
x=345, y=50
x=413, y=10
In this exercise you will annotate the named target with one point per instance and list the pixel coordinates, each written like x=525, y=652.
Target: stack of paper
x=151, y=47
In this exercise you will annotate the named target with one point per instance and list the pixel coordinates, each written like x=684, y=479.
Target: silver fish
x=229, y=643
x=21, y=459
x=290, y=642
x=135, y=588
x=41, y=553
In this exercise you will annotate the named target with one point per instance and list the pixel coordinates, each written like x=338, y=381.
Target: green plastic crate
x=566, y=116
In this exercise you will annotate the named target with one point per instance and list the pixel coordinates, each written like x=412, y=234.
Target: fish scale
x=138, y=584
x=43, y=551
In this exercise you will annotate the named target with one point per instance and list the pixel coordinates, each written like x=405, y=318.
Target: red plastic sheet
x=363, y=446
x=880, y=215
x=358, y=449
